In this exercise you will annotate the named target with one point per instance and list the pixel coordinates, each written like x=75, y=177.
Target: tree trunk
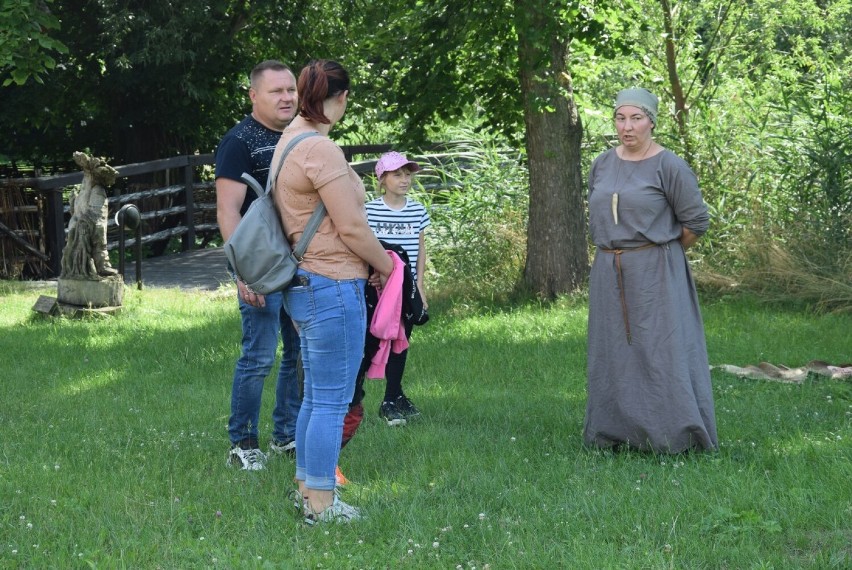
x=557, y=252
x=681, y=110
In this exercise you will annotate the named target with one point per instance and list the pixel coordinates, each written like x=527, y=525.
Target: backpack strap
x=319, y=212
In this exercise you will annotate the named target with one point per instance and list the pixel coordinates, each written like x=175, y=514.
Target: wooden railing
x=51, y=190
x=186, y=210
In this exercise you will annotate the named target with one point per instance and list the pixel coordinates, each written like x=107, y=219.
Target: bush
x=477, y=242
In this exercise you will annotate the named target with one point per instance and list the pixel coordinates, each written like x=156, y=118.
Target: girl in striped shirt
x=397, y=219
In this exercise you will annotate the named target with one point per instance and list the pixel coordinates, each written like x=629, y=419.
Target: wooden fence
x=34, y=213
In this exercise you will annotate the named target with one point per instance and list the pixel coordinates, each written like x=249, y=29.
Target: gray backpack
x=258, y=250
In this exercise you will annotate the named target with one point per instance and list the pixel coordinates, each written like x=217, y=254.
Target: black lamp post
x=129, y=218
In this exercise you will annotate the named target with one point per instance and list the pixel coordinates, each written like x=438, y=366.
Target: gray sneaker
x=283, y=447
x=248, y=459
x=300, y=503
x=337, y=512
x=298, y=500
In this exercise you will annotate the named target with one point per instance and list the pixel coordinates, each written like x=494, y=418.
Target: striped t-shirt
x=401, y=227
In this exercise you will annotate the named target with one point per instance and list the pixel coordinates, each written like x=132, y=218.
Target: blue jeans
x=332, y=319
x=261, y=328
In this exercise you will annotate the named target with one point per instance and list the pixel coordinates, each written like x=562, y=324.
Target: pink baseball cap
x=393, y=160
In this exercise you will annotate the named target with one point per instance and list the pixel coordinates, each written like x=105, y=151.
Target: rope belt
x=618, y=253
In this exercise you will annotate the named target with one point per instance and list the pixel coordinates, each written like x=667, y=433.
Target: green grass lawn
x=113, y=450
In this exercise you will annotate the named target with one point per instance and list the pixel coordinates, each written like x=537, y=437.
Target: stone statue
x=85, y=255
x=87, y=279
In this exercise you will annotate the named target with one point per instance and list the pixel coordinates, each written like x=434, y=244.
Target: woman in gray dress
x=648, y=375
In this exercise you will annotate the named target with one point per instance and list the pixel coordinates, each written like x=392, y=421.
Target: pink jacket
x=387, y=325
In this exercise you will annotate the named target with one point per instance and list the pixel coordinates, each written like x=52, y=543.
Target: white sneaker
x=248, y=459
x=338, y=512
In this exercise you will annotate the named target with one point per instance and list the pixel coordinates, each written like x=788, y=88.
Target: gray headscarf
x=639, y=97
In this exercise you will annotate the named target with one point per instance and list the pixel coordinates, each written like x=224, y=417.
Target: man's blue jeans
x=261, y=328
x=332, y=320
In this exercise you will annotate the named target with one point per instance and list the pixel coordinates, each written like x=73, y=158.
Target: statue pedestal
x=92, y=294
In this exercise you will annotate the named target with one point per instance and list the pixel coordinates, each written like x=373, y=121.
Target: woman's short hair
x=319, y=80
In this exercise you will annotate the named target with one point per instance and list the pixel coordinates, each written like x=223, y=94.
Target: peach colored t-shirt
x=311, y=164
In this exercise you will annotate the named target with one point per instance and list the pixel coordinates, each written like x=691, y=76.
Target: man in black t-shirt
x=248, y=147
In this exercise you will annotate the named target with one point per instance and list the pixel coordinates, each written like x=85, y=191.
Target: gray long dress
x=654, y=392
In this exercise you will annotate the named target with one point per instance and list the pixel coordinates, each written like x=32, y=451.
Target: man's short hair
x=272, y=64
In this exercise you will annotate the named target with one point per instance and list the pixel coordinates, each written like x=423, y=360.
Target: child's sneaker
x=338, y=512
x=247, y=455
x=406, y=407
x=391, y=414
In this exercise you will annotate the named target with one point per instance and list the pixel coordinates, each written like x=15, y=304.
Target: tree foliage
x=135, y=85
x=149, y=79
x=507, y=64
x=754, y=94
x=27, y=48
x=438, y=62
x=762, y=84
